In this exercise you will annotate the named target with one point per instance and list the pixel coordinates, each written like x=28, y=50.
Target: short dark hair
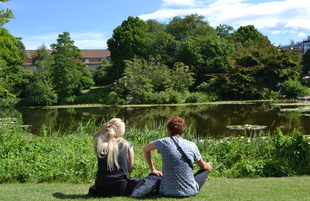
x=176, y=125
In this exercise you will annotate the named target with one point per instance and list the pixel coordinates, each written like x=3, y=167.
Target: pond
x=209, y=120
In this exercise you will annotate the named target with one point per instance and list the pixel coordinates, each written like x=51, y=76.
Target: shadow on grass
x=70, y=196
x=58, y=195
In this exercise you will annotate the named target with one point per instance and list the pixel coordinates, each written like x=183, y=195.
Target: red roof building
x=91, y=58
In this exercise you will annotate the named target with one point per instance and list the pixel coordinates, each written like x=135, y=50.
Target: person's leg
x=92, y=191
x=201, y=177
x=131, y=184
x=116, y=189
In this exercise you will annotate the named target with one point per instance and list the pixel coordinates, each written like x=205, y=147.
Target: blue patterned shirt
x=178, y=178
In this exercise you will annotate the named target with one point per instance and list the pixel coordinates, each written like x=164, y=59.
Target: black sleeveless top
x=107, y=177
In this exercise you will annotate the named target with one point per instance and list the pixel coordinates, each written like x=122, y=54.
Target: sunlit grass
x=286, y=189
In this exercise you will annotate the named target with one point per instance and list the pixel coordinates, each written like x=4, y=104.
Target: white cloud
x=178, y=2
x=301, y=34
x=272, y=17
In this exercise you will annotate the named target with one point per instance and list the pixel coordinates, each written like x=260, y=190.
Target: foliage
x=39, y=91
x=128, y=42
x=69, y=157
x=67, y=70
x=224, y=31
x=293, y=89
x=11, y=59
x=100, y=73
x=248, y=35
x=190, y=26
x=254, y=72
x=87, y=82
x=149, y=82
x=162, y=46
x=200, y=97
x=6, y=15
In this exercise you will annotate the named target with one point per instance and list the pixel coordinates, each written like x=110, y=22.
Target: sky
x=91, y=22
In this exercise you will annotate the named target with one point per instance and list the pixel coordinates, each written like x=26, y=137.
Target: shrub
x=87, y=82
x=293, y=88
x=69, y=157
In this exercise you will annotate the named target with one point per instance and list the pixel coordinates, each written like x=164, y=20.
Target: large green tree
x=256, y=72
x=247, y=35
x=188, y=27
x=68, y=69
x=162, y=47
x=129, y=41
x=40, y=90
x=12, y=57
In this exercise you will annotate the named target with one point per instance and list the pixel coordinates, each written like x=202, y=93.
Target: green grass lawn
x=286, y=188
x=96, y=90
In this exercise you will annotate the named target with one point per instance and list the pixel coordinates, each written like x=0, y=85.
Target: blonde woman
x=115, y=161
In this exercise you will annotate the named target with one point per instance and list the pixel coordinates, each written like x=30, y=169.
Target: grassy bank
x=69, y=157
x=288, y=188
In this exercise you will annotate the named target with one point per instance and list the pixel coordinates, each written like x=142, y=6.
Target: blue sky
x=90, y=23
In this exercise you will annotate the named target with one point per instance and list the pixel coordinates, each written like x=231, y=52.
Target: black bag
x=146, y=186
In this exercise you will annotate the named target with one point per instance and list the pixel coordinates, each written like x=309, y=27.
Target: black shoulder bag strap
x=183, y=154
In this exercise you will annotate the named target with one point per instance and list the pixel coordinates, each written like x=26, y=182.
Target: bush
x=87, y=82
x=9, y=102
x=200, y=97
x=113, y=98
x=69, y=157
x=293, y=88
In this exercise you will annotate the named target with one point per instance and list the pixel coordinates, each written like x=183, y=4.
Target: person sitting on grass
x=115, y=161
x=178, y=179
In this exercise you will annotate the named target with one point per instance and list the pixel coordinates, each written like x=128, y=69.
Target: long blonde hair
x=106, y=144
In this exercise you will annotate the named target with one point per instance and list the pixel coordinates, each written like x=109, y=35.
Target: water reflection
x=208, y=119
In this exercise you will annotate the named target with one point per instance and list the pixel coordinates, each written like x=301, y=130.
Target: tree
x=147, y=82
x=40, y=90
x=100, y=73
x=256, y=71
x=162, y=46
x=189, y=26
x=129, y=41
x=5, y=15
x=12, y=57
x=205, y=55
x=224, y=31
x=67, y=69
x=306, y=62
x=248, y=35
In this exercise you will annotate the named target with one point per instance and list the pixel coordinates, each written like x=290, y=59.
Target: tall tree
x=40, y=90
x=248, y=35
x=67, y=69
x=12, y=57
x=162, y=46
x=129, y=41
x=190, y=26
x=256, y=71
x=224, y=31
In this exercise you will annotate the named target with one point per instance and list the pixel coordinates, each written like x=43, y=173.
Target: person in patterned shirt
x=178, y=179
